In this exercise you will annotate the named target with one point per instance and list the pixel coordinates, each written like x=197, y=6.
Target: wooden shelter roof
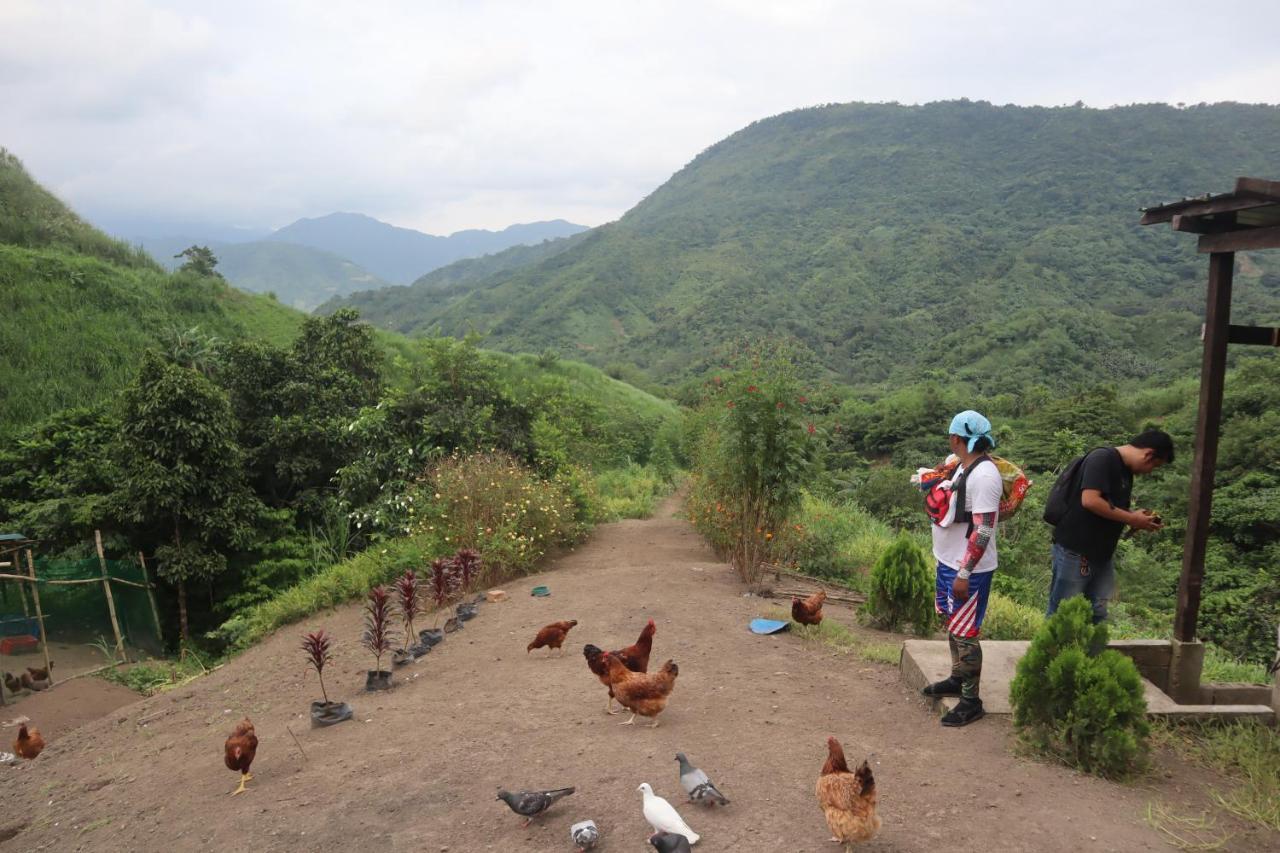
x=1244, y=219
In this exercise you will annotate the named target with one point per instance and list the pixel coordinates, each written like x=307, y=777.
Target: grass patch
x=97, y=824
x=155, y=677
x=1220, y=666
x=1006, y=619
x=841, y=639
x=1184, y=832
x=1248, y=754
x=632, y=491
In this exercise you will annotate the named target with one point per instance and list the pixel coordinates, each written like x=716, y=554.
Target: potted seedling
x=407, y=597
x=318, y=647
x=440, y=587
x=378, y=636
x=468, y=564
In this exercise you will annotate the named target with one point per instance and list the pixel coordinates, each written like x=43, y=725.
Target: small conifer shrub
x=902, y=589
x=1075, y=698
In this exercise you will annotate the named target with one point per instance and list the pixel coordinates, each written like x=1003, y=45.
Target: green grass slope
x=998, y=244
x=80, y=308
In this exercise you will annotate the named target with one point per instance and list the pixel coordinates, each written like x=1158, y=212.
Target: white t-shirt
x=982, y=492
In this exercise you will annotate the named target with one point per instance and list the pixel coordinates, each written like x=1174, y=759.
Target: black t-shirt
x=1081, y=530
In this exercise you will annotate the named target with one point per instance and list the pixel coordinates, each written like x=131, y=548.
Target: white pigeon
x=663, y=817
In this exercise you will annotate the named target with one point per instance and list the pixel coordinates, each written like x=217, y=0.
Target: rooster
x=552, y=636
x=641, y=693
x=808, y=611
x=848, y=800
x=239, y=751
x=29, y=743
x=634, y=657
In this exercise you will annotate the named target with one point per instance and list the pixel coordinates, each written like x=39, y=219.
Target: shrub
x=1074, y=698
x=318, y=646
x=407, y=597
x=1006, y=619
x=630, y=492
x=378, y=636
x=835, y=540
x=756, y=453
x=902, y=589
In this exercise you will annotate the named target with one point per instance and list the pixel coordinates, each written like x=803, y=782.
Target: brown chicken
x=40, y=674
x=641, y=693
x=239, y=752
x=808, y=611
x=635, y=657
x=29, y=743
x=848, y=800
x=552, y=636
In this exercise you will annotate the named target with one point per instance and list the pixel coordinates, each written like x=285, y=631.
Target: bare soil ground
x=418, y=767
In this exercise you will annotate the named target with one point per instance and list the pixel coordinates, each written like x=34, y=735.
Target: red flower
x=779, y=404
x=802, y=400
x=729, y=404
x=811, y=429
x=717, y=380
x=751, y=389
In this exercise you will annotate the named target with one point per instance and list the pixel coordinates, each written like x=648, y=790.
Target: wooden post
x=35, y=596
x=111, y=599
x=1213, y=370
x=151, y=596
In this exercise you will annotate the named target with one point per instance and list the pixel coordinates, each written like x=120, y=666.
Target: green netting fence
x=77, y=616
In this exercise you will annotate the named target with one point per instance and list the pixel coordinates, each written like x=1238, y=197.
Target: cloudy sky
x=448, y=115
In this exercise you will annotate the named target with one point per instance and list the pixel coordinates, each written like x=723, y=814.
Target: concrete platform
x=926, y=661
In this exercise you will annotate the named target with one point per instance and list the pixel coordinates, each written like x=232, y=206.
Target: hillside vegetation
x=998, y=244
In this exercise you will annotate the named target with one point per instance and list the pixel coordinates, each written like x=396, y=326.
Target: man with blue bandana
x=964, y=544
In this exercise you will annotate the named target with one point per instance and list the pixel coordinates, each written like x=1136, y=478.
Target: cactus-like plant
x=319, y=648
x=407, y=596
x=378, y=634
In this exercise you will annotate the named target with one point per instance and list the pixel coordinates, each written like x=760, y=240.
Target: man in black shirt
x=1084, y=541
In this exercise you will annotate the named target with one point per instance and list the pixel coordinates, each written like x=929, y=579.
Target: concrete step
x=926, y=661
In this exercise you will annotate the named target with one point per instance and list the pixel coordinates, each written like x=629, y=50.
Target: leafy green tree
x=182, y=487
x=199, y=260
x=56, y=480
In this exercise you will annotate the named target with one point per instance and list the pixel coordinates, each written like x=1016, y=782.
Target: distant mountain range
x=989, y=245
x=401, y=255
x=314, y=260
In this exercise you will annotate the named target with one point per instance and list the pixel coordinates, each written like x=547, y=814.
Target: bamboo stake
x=111, y=600
x=151, y=596
x=35, y=595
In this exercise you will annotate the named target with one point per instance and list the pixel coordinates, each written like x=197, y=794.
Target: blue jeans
x=1075, y=574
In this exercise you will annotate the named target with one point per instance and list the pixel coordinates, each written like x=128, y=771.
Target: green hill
x=300, y=276
x=997, y=243
x=388, y=302
x=80, y=308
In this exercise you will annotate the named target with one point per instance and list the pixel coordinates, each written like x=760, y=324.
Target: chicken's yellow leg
x=629, y=722
x=244, y=777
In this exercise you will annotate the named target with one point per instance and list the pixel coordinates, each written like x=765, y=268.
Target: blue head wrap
x=972, y=426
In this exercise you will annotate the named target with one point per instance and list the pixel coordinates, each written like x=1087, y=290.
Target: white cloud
x=448, y=115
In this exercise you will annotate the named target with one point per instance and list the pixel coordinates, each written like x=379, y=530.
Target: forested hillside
x=999, y=244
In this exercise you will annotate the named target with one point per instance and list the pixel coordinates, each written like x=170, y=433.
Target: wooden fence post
x=111, y=600
x=35, y=596
x=151, y=596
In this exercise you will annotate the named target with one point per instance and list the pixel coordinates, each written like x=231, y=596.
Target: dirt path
x=418, y=768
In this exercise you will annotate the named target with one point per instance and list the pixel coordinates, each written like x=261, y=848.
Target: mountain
x=400, y=255
x=81, y=307
x=997, y=246
x=299, y=276
x=390, y=301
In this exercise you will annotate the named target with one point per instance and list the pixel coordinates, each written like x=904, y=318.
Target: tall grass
x=632, y=491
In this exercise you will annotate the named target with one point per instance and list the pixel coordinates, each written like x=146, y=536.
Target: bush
x=1074, y=698
x=902, y=589
x=833, y=540
x=1006, y=619
x=630, y=492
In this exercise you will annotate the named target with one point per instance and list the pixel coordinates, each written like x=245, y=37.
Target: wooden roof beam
x=1248, y=240
x=1258, y=187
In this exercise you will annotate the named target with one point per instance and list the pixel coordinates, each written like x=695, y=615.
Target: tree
x=199, y=260
x=182, y=485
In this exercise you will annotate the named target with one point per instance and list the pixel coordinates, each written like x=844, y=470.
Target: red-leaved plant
x=410, y=603
x=442, y=583
x=378, y=634
x=467, y=562
x=319, y=648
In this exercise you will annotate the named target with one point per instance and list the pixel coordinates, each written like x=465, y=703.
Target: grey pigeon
x=532, y=803
x=670, y=842
x=696, y=784
x=585, y=835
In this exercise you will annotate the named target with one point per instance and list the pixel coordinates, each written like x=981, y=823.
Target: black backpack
x=1064, y=490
